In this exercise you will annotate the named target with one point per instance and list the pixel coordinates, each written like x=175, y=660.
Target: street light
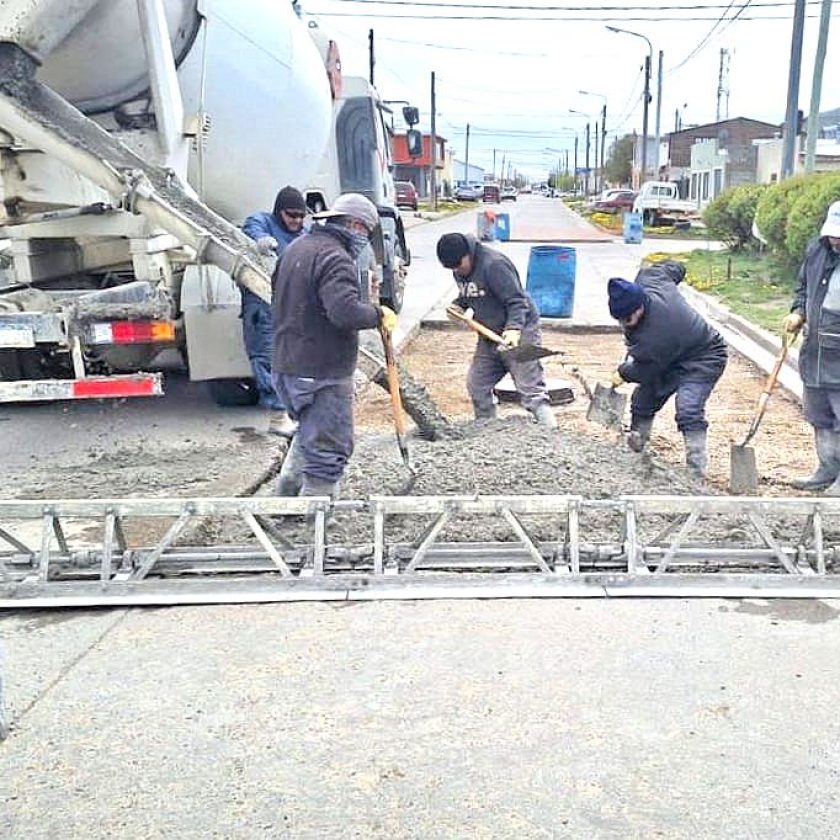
x=648, y=65
x=588, y=118
x=603, y=134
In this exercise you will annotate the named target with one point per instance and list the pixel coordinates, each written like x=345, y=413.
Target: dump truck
x=135, y=137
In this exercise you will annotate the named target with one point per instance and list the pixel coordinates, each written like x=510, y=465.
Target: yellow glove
x=617, y=379
x=793, y=322
x=387, y=318
x=511, y=337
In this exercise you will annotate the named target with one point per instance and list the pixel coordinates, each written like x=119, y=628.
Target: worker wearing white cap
x=817, y=308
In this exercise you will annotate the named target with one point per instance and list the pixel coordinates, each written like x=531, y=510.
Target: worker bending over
x=670, y=350
x=317, y=314
x=817, y=307
x=488, y=284
x=271, y=233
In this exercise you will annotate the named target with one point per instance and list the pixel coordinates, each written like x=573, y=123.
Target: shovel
x=743, y=475
x=396, y=404
x=520, y=353
x=606, y=405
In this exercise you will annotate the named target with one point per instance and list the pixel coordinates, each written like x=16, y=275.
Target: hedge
x=729, y=217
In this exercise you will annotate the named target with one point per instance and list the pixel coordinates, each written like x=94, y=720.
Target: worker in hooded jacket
x=816, y=306
x=670, y=350
x=489, y=287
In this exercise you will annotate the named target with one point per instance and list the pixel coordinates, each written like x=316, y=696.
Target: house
x=769, y=158
x=418, y=169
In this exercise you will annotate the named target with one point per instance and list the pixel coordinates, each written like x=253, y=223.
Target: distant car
x=467, y=193
x=491, y=194
x=508, y=194
x=406, y=194
x=617, y=202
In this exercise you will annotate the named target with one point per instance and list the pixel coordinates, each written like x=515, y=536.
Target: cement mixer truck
x=135, y=137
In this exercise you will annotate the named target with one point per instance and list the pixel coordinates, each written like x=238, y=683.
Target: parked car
x=491, y=194
x=618, y=201
x=406, y=194
x=508, y=194
x=467, y=193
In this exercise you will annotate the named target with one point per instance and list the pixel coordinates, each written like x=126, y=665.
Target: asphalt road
x=515, y=719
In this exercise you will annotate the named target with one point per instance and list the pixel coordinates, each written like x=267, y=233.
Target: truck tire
x=394, y=296
x=233, y=393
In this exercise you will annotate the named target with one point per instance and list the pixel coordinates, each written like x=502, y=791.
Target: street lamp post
x=648, y=65
x=603, y=135
x=588, y=118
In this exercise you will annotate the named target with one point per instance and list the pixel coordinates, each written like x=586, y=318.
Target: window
x=717, y=187
x=704, y=193
x=693, y=190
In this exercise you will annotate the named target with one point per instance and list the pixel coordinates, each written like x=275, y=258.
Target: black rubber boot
x=695, y=452
x=639, y=433
x=482, y=413
x=313, y=486
x=828, y=469
x=290, y=479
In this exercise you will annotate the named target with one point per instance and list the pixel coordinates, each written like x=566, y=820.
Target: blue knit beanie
x=625, y=297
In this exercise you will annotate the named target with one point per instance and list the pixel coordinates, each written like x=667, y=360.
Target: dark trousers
x=323, y=409
x=821, y=407
x=256, y=330
x=692, y=395
x=489, y=366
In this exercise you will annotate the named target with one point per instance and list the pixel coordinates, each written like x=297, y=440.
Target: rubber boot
x=290, y=480
x=639, y=433
x=279, y=423
x=545, y=416
x=829, y=465
x=695, y=452
x=314, y=486
x=484, y=413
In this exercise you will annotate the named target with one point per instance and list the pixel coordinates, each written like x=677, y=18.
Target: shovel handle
x=393, y=383
x=768, y=389
x=475, y=326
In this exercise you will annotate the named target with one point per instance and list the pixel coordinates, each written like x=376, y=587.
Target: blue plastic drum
x=503, y=227
x=551, y=280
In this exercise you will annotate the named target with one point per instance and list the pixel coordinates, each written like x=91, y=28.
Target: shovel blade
x=606, y=407
x=743, y=475
x=529, y=353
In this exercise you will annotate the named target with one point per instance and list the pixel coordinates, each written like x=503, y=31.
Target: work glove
x=617, y=379
x=511, y=337
x=793, y=322
x=267, y=246
x=387, y=318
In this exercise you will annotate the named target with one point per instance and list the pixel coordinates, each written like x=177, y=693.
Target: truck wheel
x=395, y=296
x=233, y=393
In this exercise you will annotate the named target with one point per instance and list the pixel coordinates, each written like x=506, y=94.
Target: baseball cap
x=831, y=225
x=354, y=205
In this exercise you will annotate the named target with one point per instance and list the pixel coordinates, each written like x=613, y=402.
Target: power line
x=516, y=7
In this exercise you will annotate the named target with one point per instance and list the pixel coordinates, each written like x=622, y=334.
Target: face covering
x=358, y=243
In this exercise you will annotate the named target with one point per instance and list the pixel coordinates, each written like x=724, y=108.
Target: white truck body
x=247, y=110
x=659, y=202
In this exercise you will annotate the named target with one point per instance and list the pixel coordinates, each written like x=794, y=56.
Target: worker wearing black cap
x=670, y=350
x=271, y=233
x=489, y=285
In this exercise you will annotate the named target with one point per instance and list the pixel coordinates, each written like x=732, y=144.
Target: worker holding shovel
x=670, y=350
x=817, y=307
x=489, y=286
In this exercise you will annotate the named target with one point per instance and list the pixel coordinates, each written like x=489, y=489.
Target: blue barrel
x=551, y=280
x=633, y=228
x=503, y=227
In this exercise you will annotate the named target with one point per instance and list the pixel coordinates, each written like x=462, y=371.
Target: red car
x=406, y=194
x=618, y=202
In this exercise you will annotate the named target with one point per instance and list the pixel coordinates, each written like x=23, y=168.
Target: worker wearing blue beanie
x=670, y=350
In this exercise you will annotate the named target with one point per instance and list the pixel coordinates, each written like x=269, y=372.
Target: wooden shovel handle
x=475, y=326
x=393, y=381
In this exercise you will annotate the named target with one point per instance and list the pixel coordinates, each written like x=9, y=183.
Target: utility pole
x=595, y=179
x=723, y=87
x=816, y=89
x=433, y=145
x=658, y=134
x=576, y=162
x=502, y=170
x=467, y=161
x=603, y=140
x=371, y=59
x=790, y=136
x=494, y=165
x=643, y=168
x=586, y=188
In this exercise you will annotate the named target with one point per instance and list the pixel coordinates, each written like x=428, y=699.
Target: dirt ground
x=439, y=359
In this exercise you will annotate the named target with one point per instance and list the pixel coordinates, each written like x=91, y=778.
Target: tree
x=618, y=168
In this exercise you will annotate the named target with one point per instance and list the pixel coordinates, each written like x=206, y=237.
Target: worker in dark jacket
x=817, y=307
x=670, y=350
x=489, y=287
x=317, y=314
x=271, y=233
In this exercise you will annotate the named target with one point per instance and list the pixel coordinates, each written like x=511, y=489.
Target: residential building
x=418, y=170
x=769, y=158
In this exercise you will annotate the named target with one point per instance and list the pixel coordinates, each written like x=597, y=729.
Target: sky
x=514, y=71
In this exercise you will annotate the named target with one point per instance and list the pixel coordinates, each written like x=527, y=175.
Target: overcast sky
x=515, y=80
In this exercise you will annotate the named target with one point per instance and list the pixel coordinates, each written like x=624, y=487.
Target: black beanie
x=289, y=199
x=452, y=248
x=624, y=297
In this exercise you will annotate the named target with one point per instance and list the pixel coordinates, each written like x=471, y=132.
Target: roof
x=694, y=128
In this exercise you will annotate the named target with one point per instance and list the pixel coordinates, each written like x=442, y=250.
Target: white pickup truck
x=659, y=203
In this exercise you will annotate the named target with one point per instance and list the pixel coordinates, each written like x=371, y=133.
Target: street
x=503, y=718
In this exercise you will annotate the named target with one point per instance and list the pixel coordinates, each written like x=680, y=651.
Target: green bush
x=774, y=208
x=807, y=214
x=729, y=217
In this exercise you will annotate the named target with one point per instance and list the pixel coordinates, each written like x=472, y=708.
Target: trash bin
x=633, y=228
x=503, y=227
x=486, y=227
x=551, y=280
